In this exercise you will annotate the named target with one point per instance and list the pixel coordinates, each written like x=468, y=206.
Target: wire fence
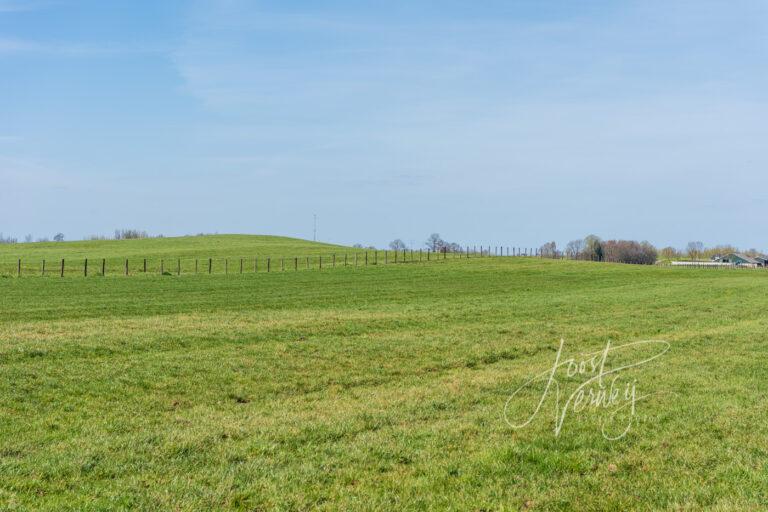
x=177, y=266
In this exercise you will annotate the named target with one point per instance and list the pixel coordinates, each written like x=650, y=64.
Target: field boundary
x=187, y=265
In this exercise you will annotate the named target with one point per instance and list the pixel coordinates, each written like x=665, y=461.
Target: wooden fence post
x=269, y=264
x=62, y=267
x=43, y=272
x=226, y=266
x=296, y=264
x=210, y=265
x=18, y=269
x=321, y=262
x=241, y=265
x=126, y=266
x=196, y=260
x=307, y=262
x=85, y=267
x=145, y=265
x=103, y=267
x=334, y=260
x=178, y=267
x=366, y=258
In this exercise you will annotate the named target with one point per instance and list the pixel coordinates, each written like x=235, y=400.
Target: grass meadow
x=374, y=388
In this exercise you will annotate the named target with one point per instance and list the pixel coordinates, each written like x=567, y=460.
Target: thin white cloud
x=22, y=5
x=30, y=173
x=10, y=46
x=349, y=62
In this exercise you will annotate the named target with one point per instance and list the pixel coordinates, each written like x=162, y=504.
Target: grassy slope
x=375, y=388
x=188, y=248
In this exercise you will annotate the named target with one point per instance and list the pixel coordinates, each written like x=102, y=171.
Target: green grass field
x=375, y=388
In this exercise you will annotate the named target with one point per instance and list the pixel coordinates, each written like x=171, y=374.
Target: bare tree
x=130, y=234
x=718, y=250
x=669, y=253
x=434, y=242
x=397, y=245
x=548, y=250
x=574, y=249
x=694, y=250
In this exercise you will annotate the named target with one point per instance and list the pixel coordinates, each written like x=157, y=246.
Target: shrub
x=130, y=234
x=629, y=251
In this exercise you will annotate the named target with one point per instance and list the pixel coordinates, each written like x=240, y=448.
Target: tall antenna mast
x=314, y=227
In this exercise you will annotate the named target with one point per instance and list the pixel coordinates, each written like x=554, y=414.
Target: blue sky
x=496, y=122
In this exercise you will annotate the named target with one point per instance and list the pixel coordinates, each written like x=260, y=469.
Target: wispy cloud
x=239, y=57
x=10, y=46
x=32, y=173
x=23, y=5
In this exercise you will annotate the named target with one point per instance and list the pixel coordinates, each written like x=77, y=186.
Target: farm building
x=741, y=260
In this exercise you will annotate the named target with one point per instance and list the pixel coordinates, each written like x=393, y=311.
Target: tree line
x=434, y=243
x=58, y=237
x=593, y=248
x=119, y=234
x=629, y=251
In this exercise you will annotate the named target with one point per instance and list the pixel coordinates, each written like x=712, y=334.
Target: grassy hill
x=378, y=388
x=187, y=248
